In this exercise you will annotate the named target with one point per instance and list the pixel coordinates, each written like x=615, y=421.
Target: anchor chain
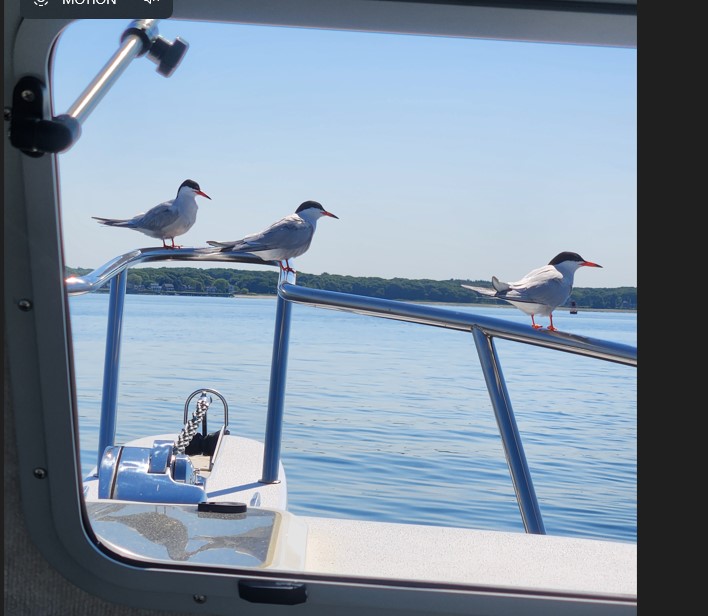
x=190, y=429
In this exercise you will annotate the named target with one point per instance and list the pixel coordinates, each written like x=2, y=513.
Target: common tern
x=167, y=220
x=285, y=239
x=542, y=290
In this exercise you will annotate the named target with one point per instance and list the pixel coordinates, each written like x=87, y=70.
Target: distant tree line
x=226, y=282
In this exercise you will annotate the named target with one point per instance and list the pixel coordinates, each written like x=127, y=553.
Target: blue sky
x=443, y=158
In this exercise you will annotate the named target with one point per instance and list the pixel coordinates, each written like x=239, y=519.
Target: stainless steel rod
x=114, y=334
x=508, y=430
x=131, y=47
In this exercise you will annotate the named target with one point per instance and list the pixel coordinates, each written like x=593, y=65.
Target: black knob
x=167, y=55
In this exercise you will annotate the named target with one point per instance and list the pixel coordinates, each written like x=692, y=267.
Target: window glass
x=444, y=160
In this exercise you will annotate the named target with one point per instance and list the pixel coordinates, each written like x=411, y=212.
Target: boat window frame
x=39, y=335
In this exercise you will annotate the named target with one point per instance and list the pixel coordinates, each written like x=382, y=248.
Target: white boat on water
x=197, y=520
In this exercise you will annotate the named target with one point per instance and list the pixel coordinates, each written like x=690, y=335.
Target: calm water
x=384, y=420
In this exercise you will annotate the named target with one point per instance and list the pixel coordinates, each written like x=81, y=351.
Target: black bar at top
x=96, y=9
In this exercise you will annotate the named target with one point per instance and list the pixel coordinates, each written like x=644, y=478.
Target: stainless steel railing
x=483, y=329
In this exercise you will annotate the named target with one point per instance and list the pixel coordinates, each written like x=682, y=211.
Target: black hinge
x=29, y=130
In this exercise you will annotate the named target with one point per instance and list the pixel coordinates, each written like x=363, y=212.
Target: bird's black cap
x=191, y=184
x=314, y=205
x=306, y=205
x=565, y=256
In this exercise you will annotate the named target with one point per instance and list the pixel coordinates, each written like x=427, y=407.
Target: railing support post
x=107, y=428
x=511, y=440
x=276, y=394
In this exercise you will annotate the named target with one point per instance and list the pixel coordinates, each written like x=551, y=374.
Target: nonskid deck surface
x=466, y=556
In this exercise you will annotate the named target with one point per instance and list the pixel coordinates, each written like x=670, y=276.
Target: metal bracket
x=34, y=134
x=30, y=131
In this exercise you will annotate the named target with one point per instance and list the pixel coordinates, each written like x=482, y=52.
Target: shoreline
x=273, y=296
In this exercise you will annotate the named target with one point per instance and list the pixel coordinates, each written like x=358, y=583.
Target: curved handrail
x=78, y=285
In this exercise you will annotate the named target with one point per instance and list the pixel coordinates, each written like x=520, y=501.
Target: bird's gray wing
x=537, y=277
x=482, y=290
x=284, y=234
x=505, y=294
x=553, y=292
x=157, y=218
x=287, y=235
x=544, y=285
x=112, y=222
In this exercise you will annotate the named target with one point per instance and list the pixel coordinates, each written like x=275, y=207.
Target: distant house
x=168, y=287
x=154, y=287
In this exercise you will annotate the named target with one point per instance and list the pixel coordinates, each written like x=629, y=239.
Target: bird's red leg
x=533, y=323
x=287, y=267
x=551, y=326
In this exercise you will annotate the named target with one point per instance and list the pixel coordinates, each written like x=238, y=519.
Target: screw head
x=40, y=473
x=25, y=305
x=27, y=95
x=200, y=598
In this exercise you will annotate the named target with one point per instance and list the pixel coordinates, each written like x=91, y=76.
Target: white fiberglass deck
x=464, y=556
x=363, y=549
